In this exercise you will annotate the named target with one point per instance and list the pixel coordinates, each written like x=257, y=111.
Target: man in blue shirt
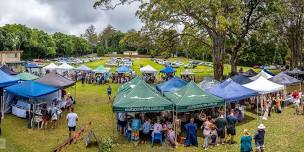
x=191, y=129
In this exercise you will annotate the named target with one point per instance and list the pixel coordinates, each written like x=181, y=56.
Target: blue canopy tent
x=19, y=97
x=30, y=89
x=231, y=91
x=168, y=69
x=32, y=65
x=173, y=84
x=123, y=69
x=7, y=80
x=241, y=79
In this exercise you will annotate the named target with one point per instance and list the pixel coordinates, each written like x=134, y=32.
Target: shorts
x=145, y=136
x=259, y=146
x=122, y=123
x=231, y=131
x=221, y=132
x=72, y=128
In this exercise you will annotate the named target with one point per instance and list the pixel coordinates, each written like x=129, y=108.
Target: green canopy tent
x=25, y=76
x=191, y=98
x=129, y=85
x=141, y=98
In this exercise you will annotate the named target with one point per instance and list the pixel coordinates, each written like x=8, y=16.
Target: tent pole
x=225, y=110
x=175, y=129
x=2, y=107
x=75, y=91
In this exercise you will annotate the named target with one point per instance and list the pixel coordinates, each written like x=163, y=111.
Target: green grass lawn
x=284, y=133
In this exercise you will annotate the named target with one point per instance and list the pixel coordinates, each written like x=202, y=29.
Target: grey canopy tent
x=284, y=79
x=207, y=83
x=56, y=80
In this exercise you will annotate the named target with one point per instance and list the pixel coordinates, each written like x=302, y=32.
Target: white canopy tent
x=264, y=86
x=148, y=69
x=187, y=72
x=51, y=67
x=261, y=74
x=64, y=67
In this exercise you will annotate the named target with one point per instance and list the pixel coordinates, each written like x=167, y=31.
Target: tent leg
x=75, y=91
x=225, y=109
x=2, y=107
x=175, y=129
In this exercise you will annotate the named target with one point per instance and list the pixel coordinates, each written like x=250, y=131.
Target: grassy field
x=284, y=133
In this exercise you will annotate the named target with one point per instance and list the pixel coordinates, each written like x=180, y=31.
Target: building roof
x=13, y=51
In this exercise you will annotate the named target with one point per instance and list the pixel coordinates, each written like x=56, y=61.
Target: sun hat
x=261, y=126
x=246, y=132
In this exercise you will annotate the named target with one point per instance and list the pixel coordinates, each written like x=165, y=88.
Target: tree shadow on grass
x=247, y=119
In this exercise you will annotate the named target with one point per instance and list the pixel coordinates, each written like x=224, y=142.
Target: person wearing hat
x=259, y=138
x=246, y=140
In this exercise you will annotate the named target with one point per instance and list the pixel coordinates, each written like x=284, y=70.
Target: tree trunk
x=218, y=49
x=233, y=60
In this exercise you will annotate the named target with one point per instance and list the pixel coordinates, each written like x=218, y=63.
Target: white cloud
x=68, y=16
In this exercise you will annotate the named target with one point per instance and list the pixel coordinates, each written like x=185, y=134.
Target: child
x=259, y=138
x=213, y=135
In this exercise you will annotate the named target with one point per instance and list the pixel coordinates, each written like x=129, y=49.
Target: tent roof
x=187, y=72
x=65, y=66
x=7, y=80
x=249, y=73
x=295, y=71
x=261, y=74
x=55, y=80
x=25, y=76
x=168, y=69
x=83, y=68
x=7, y=70
x=232, y=91
x=264, y=86
x=148, y=69
x=241, y=79
x=171, y=85
x=50, y=66
x=31, y=89
x=207, y=83
x=141, y=98
x=191, y=98
x=123, y=69
x=284, y=79
x=129, y=85
x=32, y=65
x=101, y=69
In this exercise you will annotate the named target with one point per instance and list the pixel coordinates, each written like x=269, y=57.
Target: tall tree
x=105, y=35
x=291, y=25
x=209, y=16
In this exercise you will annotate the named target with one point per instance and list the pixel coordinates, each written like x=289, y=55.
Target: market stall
x=83, y=68
x=49, y=68
x=7, y=70
x=5, y=80
x=168, y=72
x=149, y=73
x=29, y=96
x=188, y=75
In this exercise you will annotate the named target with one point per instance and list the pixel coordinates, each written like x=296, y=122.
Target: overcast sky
x=68, y=16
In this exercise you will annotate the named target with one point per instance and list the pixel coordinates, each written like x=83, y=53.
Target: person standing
x=231, y=131
x=221, y=123
x=259, y=138
x=191, y=130
x=296, y=98
x=146, y=130
x=246, y=140
x=109, y=92
x=122, y=122
x=72, y=118
x=206, y=132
